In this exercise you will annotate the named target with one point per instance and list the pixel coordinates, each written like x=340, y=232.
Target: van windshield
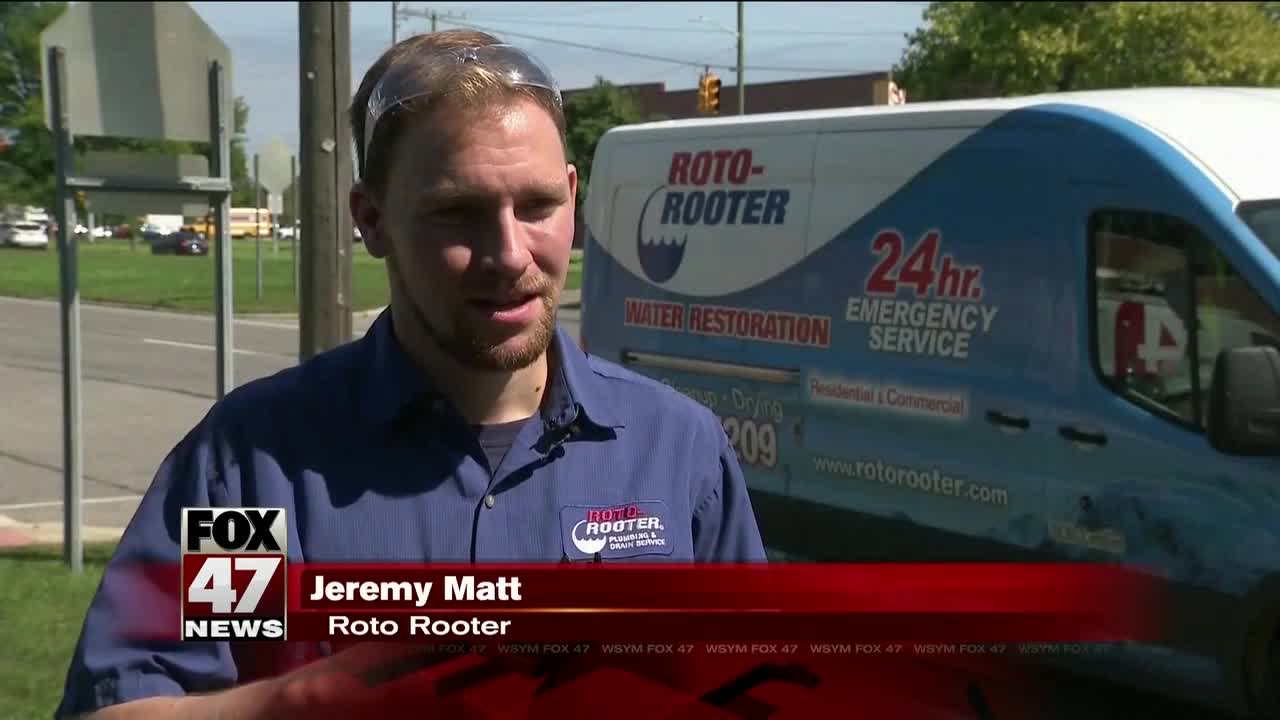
x=1264, y=219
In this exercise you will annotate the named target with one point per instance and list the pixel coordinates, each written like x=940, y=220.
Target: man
x=465, y=426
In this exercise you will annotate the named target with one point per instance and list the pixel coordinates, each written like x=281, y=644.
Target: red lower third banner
x=785, y=604
x=987, y=603
x=492, y=641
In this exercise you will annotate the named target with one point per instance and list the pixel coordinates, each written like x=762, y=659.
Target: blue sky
x=783, y=41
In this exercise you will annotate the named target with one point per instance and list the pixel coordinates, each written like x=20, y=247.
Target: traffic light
x=709, y=94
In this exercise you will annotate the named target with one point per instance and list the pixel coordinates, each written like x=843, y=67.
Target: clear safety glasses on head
x=414, y=80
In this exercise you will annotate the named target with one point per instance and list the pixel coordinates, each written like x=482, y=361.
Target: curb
x=107, y=304
x=357, y=316
x=14, y=534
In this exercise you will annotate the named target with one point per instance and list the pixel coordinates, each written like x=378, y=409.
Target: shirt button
x=489, y=501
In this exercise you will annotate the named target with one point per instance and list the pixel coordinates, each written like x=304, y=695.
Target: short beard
x=472, y=351
x=468, y=348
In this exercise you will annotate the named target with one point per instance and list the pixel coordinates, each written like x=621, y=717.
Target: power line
x=640, y=55
x=660, y=28
x=702, y=62
x=576, y=8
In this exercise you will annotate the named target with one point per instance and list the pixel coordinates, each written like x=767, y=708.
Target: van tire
x=1268, y=701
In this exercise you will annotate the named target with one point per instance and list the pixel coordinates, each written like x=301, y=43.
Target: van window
x=1155, y=278
x=1264, y=219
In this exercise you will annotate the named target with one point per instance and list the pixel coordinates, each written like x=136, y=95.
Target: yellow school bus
x=243, y=223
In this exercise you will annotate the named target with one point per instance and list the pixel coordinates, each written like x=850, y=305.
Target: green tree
x=241, y=169
x=23, y=174
x=991, y=49
x=27, y=163
x=589, y=115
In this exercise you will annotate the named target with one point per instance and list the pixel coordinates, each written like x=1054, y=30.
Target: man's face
x=477, y=229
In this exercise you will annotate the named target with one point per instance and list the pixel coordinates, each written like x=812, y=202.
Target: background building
x=787, y=95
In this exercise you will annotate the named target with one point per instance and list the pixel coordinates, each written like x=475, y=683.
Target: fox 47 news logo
x=233, y=573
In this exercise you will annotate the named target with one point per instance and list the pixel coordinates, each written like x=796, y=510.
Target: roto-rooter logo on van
x=703, y=194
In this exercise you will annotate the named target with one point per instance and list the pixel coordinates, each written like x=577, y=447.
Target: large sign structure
x=151, y=70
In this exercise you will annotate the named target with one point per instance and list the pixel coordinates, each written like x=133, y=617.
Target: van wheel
x=1269, y=693
x=1262, y=679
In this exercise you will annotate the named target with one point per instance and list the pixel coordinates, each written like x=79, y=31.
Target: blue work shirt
x=372, y=464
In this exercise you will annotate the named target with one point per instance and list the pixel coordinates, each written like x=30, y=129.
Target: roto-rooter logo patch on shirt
x=615, y=531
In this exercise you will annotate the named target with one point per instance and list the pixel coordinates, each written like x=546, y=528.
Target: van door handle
x=1084, y=437
x=995, y=417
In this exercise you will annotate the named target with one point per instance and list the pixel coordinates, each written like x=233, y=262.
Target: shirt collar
x=391, y=383
x=575, y=385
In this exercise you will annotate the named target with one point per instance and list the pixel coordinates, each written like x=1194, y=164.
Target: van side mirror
x=1244, y=402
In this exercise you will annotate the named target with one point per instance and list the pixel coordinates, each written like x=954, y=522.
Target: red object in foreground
x=476, y=686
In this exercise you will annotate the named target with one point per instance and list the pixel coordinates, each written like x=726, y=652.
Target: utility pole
x=326, y=176
x=742, y=88
x=434, y=16
x=395, y=20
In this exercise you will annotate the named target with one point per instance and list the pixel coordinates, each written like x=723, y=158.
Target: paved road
x=148, y=377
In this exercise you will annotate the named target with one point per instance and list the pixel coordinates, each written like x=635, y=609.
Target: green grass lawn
x=43, y=607
x=111, y=272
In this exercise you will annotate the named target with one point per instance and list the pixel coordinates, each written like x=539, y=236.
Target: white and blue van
x=1039, y=328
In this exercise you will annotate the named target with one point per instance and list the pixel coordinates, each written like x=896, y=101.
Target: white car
x=27, y=235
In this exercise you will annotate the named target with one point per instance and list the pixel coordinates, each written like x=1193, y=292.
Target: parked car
x=27, y=235
x=182, y=242
x=99, y=231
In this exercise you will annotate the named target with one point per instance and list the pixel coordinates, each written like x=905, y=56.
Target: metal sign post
x=274, y=177
x=257, y=222
x=107, y=64
x=68, y=255
x=275, y=207
x=220, y=160
x=293, y=210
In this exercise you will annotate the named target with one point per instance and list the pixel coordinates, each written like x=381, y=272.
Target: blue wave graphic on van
x=660, y=255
